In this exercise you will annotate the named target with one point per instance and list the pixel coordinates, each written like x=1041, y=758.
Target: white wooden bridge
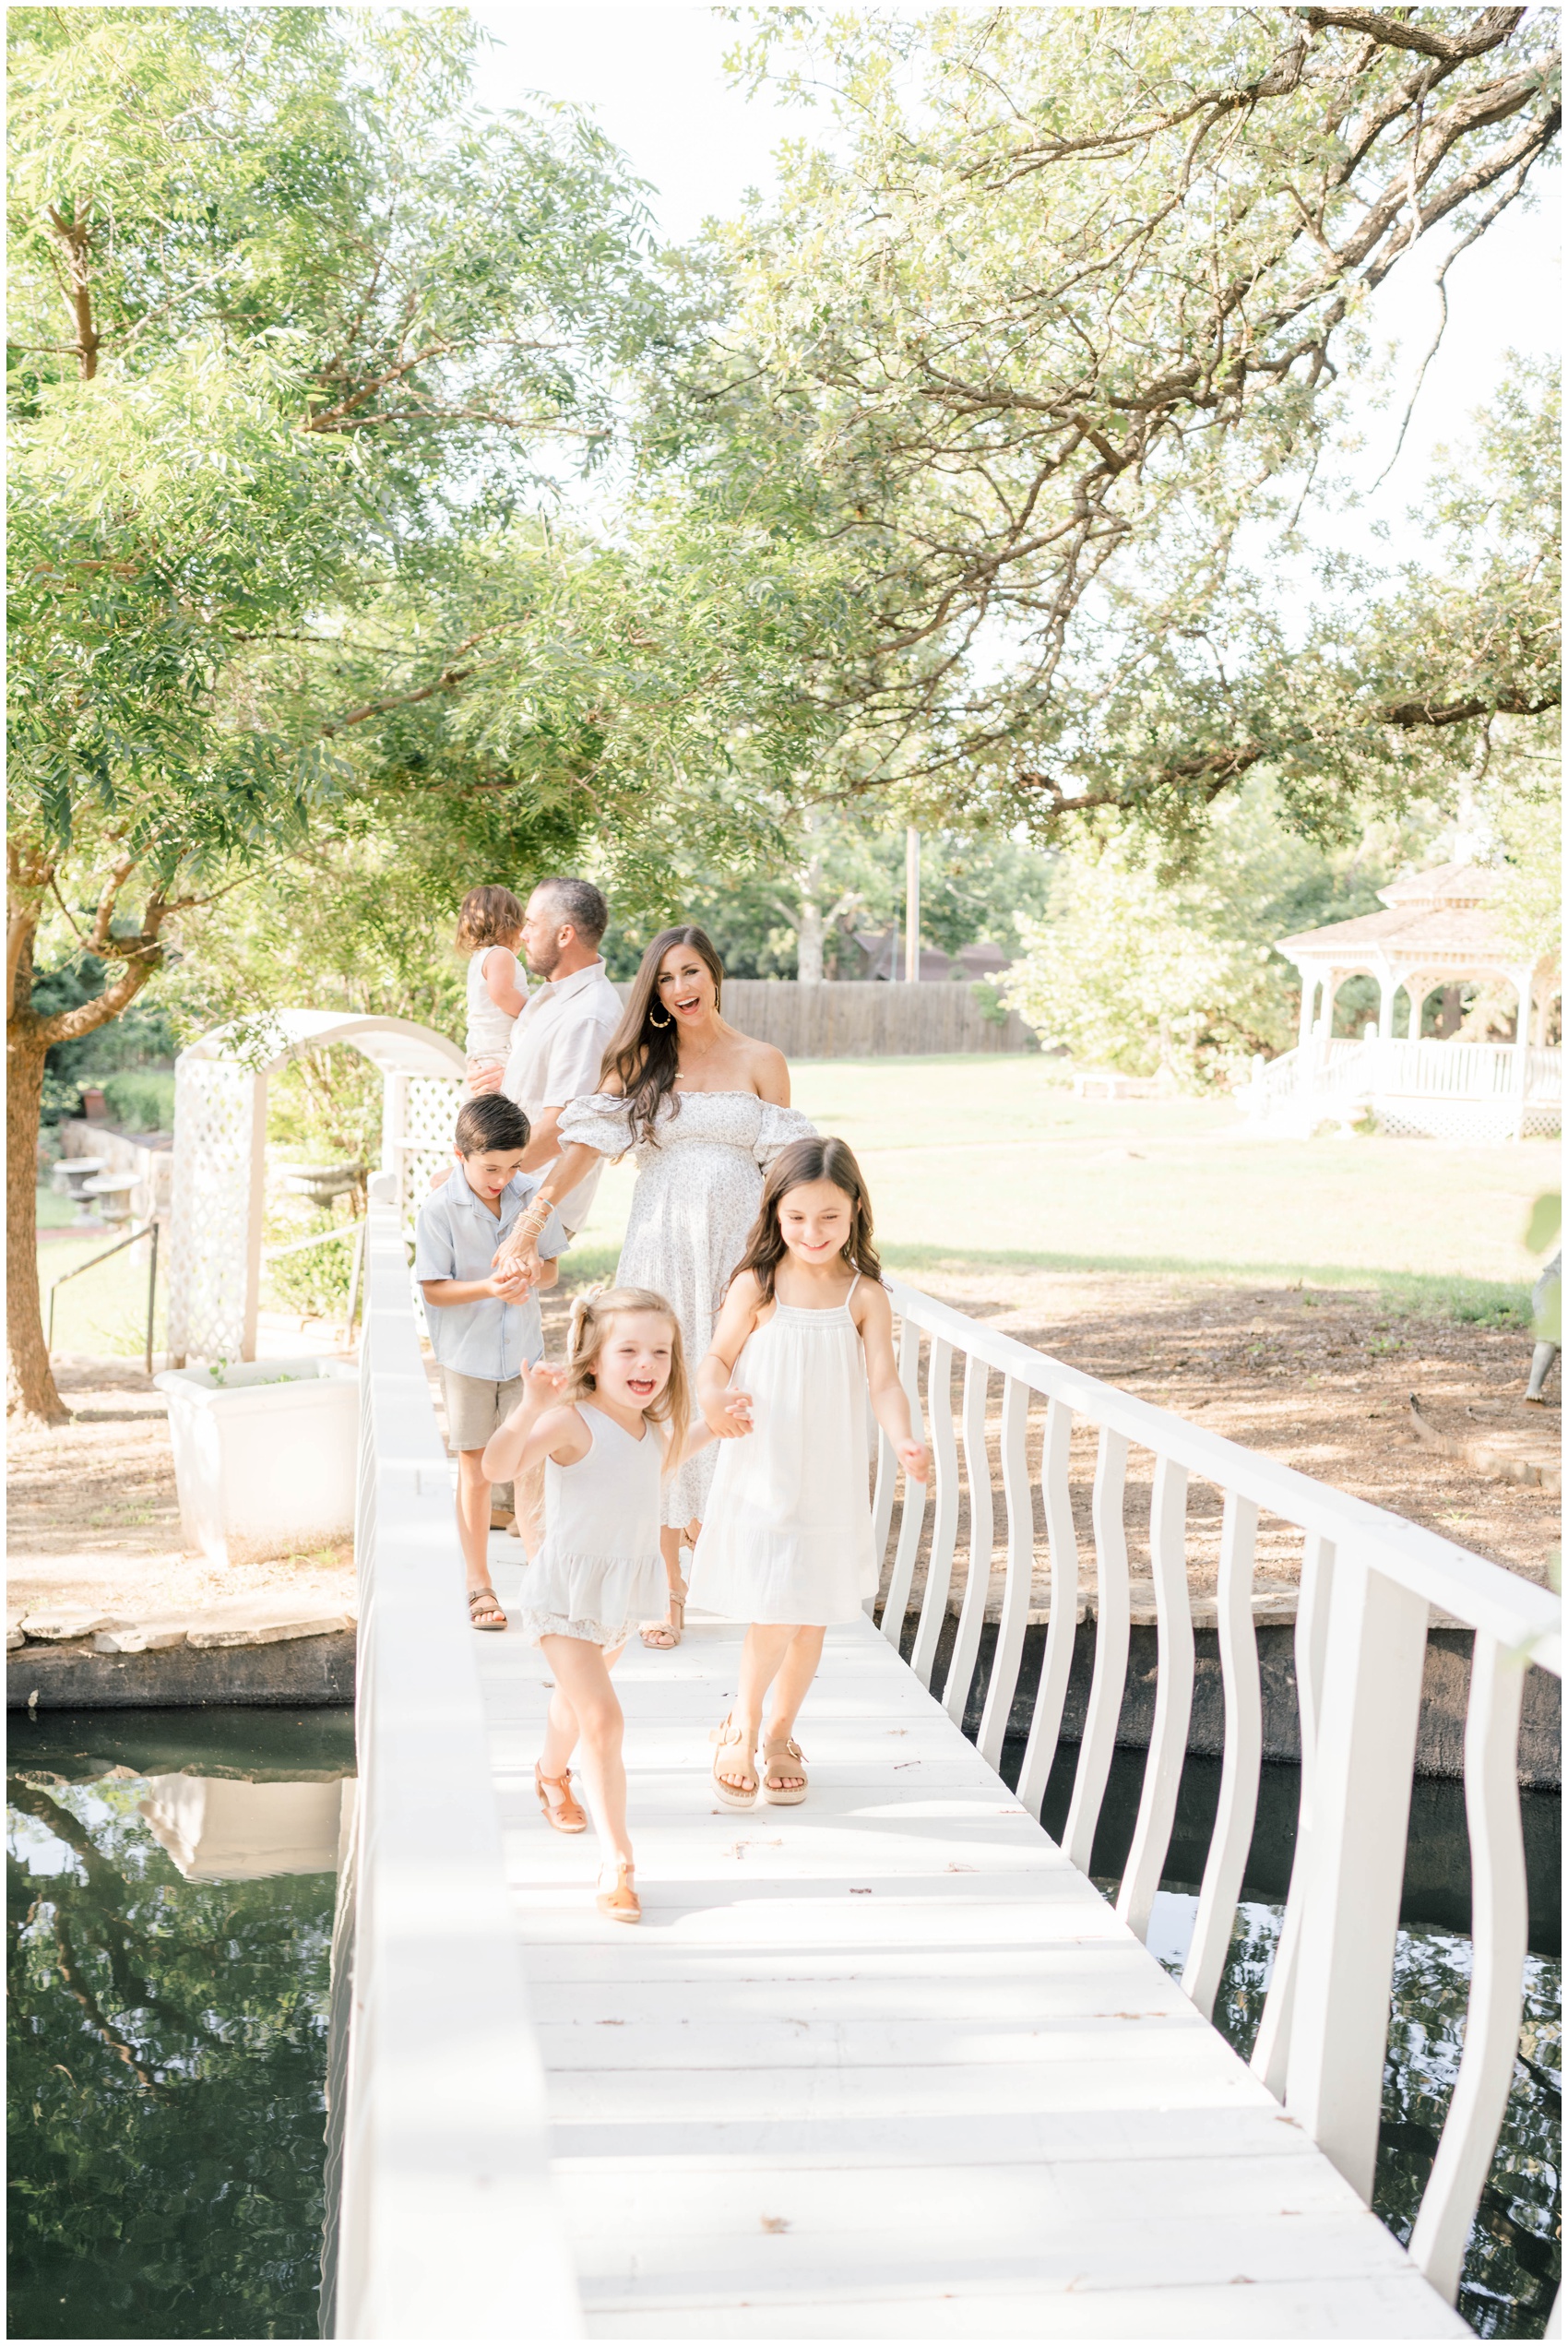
x=888, y=2065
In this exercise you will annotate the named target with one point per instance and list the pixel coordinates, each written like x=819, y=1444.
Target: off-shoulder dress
x=699, y=1184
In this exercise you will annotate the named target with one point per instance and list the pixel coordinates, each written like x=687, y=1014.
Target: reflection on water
x=1514, y=2258
x=171, y=1879
x=1513, y=2262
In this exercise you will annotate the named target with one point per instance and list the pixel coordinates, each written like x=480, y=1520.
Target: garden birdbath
x=322, y=1184
x=70, y=1177
x=111, y=1193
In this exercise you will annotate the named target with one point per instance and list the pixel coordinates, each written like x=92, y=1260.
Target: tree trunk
x=29, y=1380
x=810, y=925
x=810, y=934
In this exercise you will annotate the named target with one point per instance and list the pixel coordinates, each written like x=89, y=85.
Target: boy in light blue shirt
x=484, y=1323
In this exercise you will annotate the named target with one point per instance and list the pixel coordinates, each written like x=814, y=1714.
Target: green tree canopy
x=330, y=326
x=1058, y=304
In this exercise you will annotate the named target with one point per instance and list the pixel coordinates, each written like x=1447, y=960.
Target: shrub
x=141, y=1100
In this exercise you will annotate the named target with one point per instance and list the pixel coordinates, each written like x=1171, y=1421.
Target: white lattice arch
x=219, y=1154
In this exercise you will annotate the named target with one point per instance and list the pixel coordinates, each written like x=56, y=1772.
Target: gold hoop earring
x=666, y=1021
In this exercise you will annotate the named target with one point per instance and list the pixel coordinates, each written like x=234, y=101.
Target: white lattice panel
x=215, y=1106
x=424, y=1147
x=1463, y=1122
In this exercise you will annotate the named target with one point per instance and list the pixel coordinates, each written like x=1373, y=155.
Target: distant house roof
x=1443, y=918
x=885, y=947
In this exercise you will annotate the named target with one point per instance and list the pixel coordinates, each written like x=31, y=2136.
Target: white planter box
x=262, y=1466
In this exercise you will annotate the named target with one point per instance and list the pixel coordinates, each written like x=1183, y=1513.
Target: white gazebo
x=219, y=1154
x=1439, y=928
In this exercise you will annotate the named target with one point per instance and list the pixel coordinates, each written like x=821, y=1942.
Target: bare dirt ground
x=1319, y=1378
x=93, y=1517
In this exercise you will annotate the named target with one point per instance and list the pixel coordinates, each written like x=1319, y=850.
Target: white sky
x=654, y=75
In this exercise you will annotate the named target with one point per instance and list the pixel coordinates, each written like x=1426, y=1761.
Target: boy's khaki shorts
x=476, y=1406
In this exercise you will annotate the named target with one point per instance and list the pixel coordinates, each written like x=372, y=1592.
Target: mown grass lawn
x=991, y=1161
x=104, y=1311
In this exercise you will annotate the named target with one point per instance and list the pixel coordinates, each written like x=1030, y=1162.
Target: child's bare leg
x=582, y=1676
x=671, y=1538
x=473, y=1526
x=790, y=1688
x=761, y=1656
x=562, y=1732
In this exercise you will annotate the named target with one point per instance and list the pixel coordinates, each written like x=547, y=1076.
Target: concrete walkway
x=884, y=2065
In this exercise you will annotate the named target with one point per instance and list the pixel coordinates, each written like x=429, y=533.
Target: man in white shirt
x=559, y=1040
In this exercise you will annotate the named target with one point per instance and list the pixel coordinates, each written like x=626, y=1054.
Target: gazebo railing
x=1368, y=1583
x=1335, y=1071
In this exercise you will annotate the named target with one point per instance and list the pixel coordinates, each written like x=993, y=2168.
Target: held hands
x=728, y=1413
x=515, y=1267
x=482, y=1081
x=912, y=1458
x=512, y=1276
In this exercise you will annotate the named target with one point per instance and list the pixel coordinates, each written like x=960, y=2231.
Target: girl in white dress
x=490, y=927
x=609, y=1427
x=805, y=1332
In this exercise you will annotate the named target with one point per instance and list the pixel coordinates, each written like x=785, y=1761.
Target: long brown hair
x=592, y=1319
x=642, y=1054
x=823, y=1158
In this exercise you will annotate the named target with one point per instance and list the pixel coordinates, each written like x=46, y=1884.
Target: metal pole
x=911, y=906
x=151, y=1295
x=354, y=1276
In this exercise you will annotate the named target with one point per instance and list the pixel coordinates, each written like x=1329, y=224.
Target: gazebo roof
x=1444, y=916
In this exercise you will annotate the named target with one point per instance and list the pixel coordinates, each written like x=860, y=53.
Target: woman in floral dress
x=703, y=1111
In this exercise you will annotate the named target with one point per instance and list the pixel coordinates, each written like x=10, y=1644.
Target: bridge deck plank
x=885, y=2064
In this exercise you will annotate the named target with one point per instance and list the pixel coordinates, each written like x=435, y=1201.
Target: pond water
x=171, y=1885
x=171, y=1879
x=1513, y=2260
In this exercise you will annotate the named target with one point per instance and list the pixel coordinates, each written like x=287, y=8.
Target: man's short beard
x=547, y=962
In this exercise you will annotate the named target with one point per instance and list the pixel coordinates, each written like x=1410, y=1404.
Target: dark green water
x=168, y=2032
x=167, y=2035
x=1513, y=2259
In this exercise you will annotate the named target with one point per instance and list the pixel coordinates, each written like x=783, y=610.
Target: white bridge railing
x=447, y=2224
x=1369, y=1580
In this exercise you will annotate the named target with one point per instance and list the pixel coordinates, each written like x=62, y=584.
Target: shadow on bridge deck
x=885, y=2066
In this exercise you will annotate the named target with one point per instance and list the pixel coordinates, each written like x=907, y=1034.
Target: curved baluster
x=945, y=1530
x=1112, y=1630
x=1045, y=1727
x=1227, y=1860
x=977, y=1581
x=1366, y=1758
x=1271, y=2052
x=1500, y=1940
x=897, y=1599
x=1173, y=1697
x=1018, y=1586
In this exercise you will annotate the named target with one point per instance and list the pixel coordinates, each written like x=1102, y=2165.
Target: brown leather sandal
x=485, y=1601
x=622, y=1904
x=782, y=1757
x=735, y=1754
x=565, y=1814
x=663, y=1636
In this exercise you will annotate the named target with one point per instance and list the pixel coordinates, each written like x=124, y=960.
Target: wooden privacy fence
x=866, y=1019
x=1369, y=1580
